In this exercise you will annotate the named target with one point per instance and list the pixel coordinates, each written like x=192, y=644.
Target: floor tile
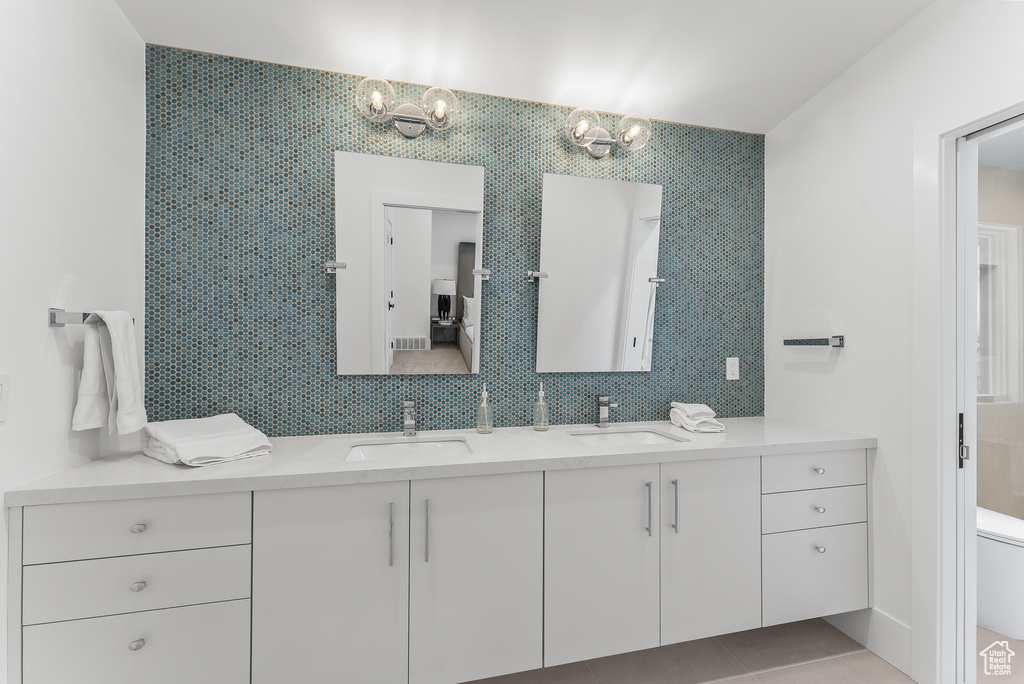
x=781, y=645
x=1016, y=675
x=573, y=673
x=856, y=668
x=692, y=662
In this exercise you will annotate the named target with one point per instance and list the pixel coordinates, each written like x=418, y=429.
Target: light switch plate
x=5, y=396
x=732, y=368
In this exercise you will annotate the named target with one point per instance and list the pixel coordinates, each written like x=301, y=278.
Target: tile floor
x=808, y=652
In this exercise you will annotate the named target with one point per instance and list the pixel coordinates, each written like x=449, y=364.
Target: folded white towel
x=204, y=441
x=110, y=391
x=694, y=411
x=680, y=419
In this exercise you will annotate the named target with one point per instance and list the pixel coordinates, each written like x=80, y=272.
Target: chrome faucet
x=409, y=418
x=603, y=404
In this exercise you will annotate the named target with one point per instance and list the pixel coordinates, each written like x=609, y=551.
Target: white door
x=601, y=562
x=389, y=289
x=476, y=569
x=330, y=584
x=711, y=548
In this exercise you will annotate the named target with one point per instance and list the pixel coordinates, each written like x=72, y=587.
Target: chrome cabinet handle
x=675, y=525
x=650, y=510
x=137, y=586
x=137, y=645
x=137, y=528
x=391, y=536
x=820, y=471
x=820, y=509
x=426, y=533
x=819, y=549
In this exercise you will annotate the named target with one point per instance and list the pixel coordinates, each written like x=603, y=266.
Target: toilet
x=1001, y=573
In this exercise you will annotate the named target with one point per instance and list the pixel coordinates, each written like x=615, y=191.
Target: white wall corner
x=879, y=632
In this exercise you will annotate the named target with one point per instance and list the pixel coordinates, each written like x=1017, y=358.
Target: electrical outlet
x=5, y=396
x=732, y=368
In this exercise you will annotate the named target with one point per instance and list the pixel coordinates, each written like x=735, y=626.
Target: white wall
x=72, y=180
x=853, y=245
x=448, y=230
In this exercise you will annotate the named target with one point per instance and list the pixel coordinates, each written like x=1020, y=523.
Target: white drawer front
x=813, y=508
x=813, y=470
x=206, y=644
x=100, y=529
x=799, y=582
x=89, y=588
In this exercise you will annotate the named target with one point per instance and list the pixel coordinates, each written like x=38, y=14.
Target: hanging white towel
x=110, y=392
x=680, y=419
x=694, y=411
x=204, y=441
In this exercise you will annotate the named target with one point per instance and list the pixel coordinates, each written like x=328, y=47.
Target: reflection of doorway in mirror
x=638, y=324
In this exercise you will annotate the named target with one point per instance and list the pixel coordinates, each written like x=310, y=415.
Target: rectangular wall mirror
x=599, y=249
x=410, y=235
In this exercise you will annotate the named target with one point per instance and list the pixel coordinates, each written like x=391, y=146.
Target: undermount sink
x=626, y=437
x=411, y=448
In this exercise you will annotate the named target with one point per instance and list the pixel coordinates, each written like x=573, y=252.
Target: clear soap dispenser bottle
x=540, y=411
x=484, y=414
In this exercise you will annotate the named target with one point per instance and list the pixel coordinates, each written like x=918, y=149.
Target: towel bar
x=838, y=341
x=58, y=318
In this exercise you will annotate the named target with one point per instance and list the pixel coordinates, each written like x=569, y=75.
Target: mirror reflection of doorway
x=424, y=247
x=1000, y=408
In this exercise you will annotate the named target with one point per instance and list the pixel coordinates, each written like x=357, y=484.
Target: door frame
x=957, y=610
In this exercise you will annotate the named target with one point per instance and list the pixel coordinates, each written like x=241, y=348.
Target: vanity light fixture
x=438, y=109
x=583, y=129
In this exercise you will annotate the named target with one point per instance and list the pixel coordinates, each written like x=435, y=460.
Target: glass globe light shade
x=441, y=108
x=581, y=125
x=633, y=132
x=375, y=99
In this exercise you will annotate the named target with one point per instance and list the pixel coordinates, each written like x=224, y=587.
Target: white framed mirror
x=405, y=228
x=599, y=249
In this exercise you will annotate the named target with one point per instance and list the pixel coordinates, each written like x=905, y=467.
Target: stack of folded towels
x=695, y=418
x=204, y=441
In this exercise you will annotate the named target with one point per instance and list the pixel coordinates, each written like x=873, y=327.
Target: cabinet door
x=711, y=548
x=476, y=569
x=330, y=584
x=601, y=562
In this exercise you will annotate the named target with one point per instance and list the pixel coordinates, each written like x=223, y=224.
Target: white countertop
x=320, y=460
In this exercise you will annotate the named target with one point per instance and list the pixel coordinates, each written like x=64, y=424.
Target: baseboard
x=884, y=635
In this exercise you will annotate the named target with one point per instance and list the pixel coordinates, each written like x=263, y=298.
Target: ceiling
x=735, y=64
x=1005, y=151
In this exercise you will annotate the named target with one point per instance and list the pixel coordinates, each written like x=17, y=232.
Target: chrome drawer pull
x=137, y=645
x=675, y=525
x=137, y=586
x=650, y=510
x=820, y=471
x=820, y=509
x=138, y=528
x=820, y=549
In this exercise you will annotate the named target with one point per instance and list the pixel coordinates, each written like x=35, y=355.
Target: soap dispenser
x=540, y=411
x=484, y=414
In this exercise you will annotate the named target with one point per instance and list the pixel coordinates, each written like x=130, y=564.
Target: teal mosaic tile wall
x=240, y=218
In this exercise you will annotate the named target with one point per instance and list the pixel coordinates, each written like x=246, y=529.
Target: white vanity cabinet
x=815, y=543
x=476, y=577
x=710, y=548
x=140, y=590
x=331, y=584
x=601, y=562
x=354, y=583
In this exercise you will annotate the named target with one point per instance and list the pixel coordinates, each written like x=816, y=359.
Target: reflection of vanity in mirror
x=599, y=249
x=405, y=228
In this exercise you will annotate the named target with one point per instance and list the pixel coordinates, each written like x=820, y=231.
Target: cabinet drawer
x=800, y=582
x=790, y=472
x=206, y=644
x=89, y=588
x=813, y=508
x=100, y=529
